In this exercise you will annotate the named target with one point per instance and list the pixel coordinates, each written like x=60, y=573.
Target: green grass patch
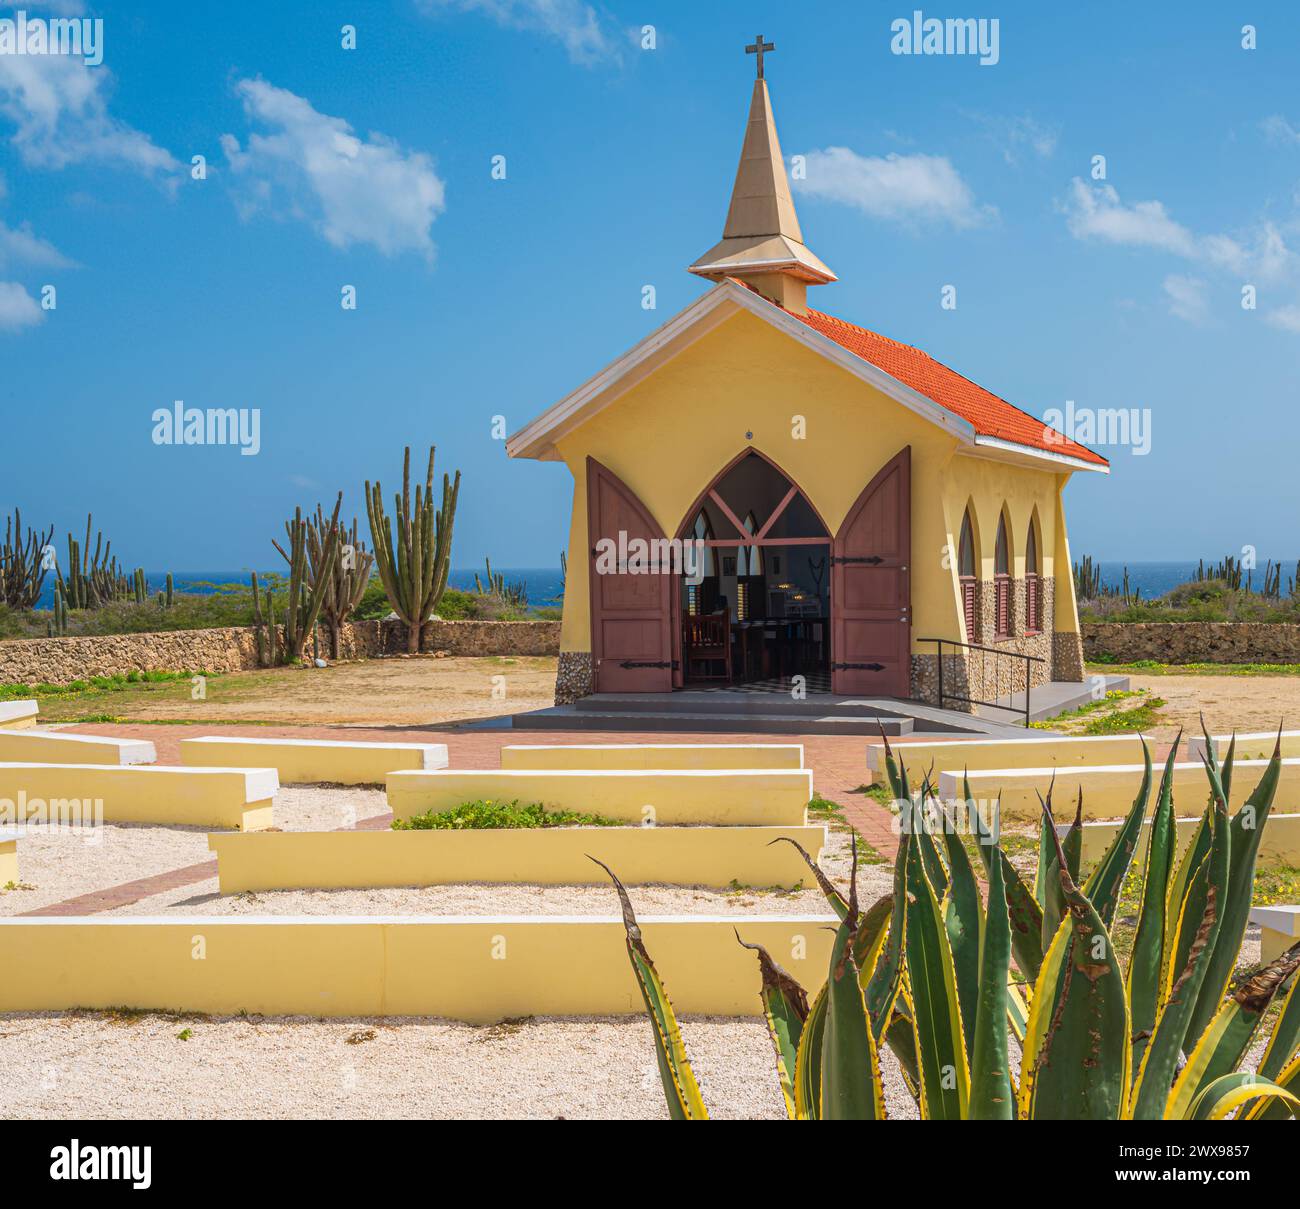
x=492, y=815
x=1150, y=667
x=1105, y=716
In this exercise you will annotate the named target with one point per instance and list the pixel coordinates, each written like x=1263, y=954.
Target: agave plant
x=930, y=972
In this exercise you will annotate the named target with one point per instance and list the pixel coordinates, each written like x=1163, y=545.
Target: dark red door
x=870, y=594
x=631, y=611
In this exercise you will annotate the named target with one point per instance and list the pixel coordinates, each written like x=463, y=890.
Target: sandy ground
x=415, y=690
x=1241, y=703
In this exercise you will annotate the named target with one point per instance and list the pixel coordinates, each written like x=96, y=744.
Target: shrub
x=474, y=816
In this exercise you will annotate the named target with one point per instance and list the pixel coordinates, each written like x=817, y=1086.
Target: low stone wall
x=234, y=649
x=1192, y=641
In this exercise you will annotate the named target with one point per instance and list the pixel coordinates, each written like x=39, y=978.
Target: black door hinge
x=858, y=667
x=671, y=664
x=872, y=560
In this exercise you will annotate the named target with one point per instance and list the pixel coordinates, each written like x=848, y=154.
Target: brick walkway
x=838, y=763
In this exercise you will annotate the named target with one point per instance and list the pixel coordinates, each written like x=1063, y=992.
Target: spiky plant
x=344, y=586
x=309, y=577
x=927, y=973
x=413, y=563
x=23, y=564
x=93, y=580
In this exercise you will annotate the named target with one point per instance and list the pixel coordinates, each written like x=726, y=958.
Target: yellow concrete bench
x=17, y=715
x=736, y=797
x=1258, y=745
x=1279, y=845
x=953, y=755
x=32, y=746
x=238, y=798
x=9, y=837
x=1279, y=929
x=1109, y=792
x=313, y=761
x=674, y=856
x=647, y=756
x=473, y=968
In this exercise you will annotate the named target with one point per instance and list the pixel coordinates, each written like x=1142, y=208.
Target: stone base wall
x=1192, y=641
x=234, y=649
x=575, y=677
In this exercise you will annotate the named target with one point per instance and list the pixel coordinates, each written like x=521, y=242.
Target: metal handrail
x=940, y=643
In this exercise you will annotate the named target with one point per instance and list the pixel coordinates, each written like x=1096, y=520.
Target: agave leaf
x=1147, y=959
x=1246, y=829
x=885, y=979
x=1103, y=885
x=940, y=1046
x=851, y=1087
x=1053, y=900
x=991, y=1097
x=1176, y=897
x=785, y=1007
x=1026, y=915
x=1224, y=1043
x=1288, y=1079
x=963, y=918
x=839, y=904
x=1230, y=1092
x=1043, y=872
x=902, y=1044
x=808, y=1061
x=1017, y=1009
x=1075, y=1061
x=680, y=1089
x=1285, y=1038
x=1195, y=935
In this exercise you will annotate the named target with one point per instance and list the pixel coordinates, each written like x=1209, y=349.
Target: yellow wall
x=8, y=861
x=670, y=435
x=553, y=856
x=475, y=969
x=29, y=745
x=1279, y=845
x=312, y=761
x=652, y=755
x=946, y=755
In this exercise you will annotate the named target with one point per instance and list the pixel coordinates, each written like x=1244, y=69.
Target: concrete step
x=742, y=703
x=565, y=717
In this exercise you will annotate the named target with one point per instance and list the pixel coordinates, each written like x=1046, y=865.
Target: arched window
x=749, y=559
x=1033, y=585
x=703, y=531
x=1002, y=582
x=967, y=576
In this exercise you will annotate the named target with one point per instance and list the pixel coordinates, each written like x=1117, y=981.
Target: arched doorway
x=757, y=612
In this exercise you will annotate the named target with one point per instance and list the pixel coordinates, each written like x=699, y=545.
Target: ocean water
x=1156, y=578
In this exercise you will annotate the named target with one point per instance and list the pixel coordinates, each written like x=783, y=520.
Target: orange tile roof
x=991, y=416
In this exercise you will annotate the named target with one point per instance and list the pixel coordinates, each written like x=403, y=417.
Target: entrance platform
x=716, y=711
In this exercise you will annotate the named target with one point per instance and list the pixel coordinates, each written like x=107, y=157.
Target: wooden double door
x=635, y=616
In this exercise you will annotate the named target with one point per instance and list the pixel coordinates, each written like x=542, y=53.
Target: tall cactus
x=265, y=630
x=93, y=581
x=23, y=564
x=346, y=584
x=413, y=569
x=308, y=577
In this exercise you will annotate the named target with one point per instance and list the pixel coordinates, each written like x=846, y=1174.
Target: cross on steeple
x=759, y=48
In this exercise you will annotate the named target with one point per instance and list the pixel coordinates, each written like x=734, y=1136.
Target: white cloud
x=570, y=22
x=1279, y=129
x=352, y=190
x=1285, y=317
x=59, y=109
x=18, y=309
x=1014, y=136
x=898, y=188
x=21, y=243
x=1097, y=212
x=1187, y=297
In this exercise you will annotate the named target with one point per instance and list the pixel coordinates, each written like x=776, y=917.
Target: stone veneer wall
x=575, y=677
x=233, y=649
x=983, y=674
x=1192, y=641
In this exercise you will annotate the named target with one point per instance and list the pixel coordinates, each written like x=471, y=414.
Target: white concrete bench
x=33, y=746
x=1108, y=792
x=235, y=798
x=954, y=755
x=743, y=797
x=313, y=761
x=1256, y=745
x=542, y=856
x=9, y=837
x=1279, y=929
x=17, y=715
x=1279, y=845
x=648, y=756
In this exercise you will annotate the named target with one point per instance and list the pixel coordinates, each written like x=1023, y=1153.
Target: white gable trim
x=537, y=439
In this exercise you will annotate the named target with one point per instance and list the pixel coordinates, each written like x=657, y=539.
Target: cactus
x=170, y=591
x=1158, y=1035
x=22, y=564
x=93, y=582
x=413, y=563
x=57, y=625
x=266, y=632
x=308, y=577
x=344, y=586
x=513, y=594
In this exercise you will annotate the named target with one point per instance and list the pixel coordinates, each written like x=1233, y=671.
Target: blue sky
x=478, y=297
